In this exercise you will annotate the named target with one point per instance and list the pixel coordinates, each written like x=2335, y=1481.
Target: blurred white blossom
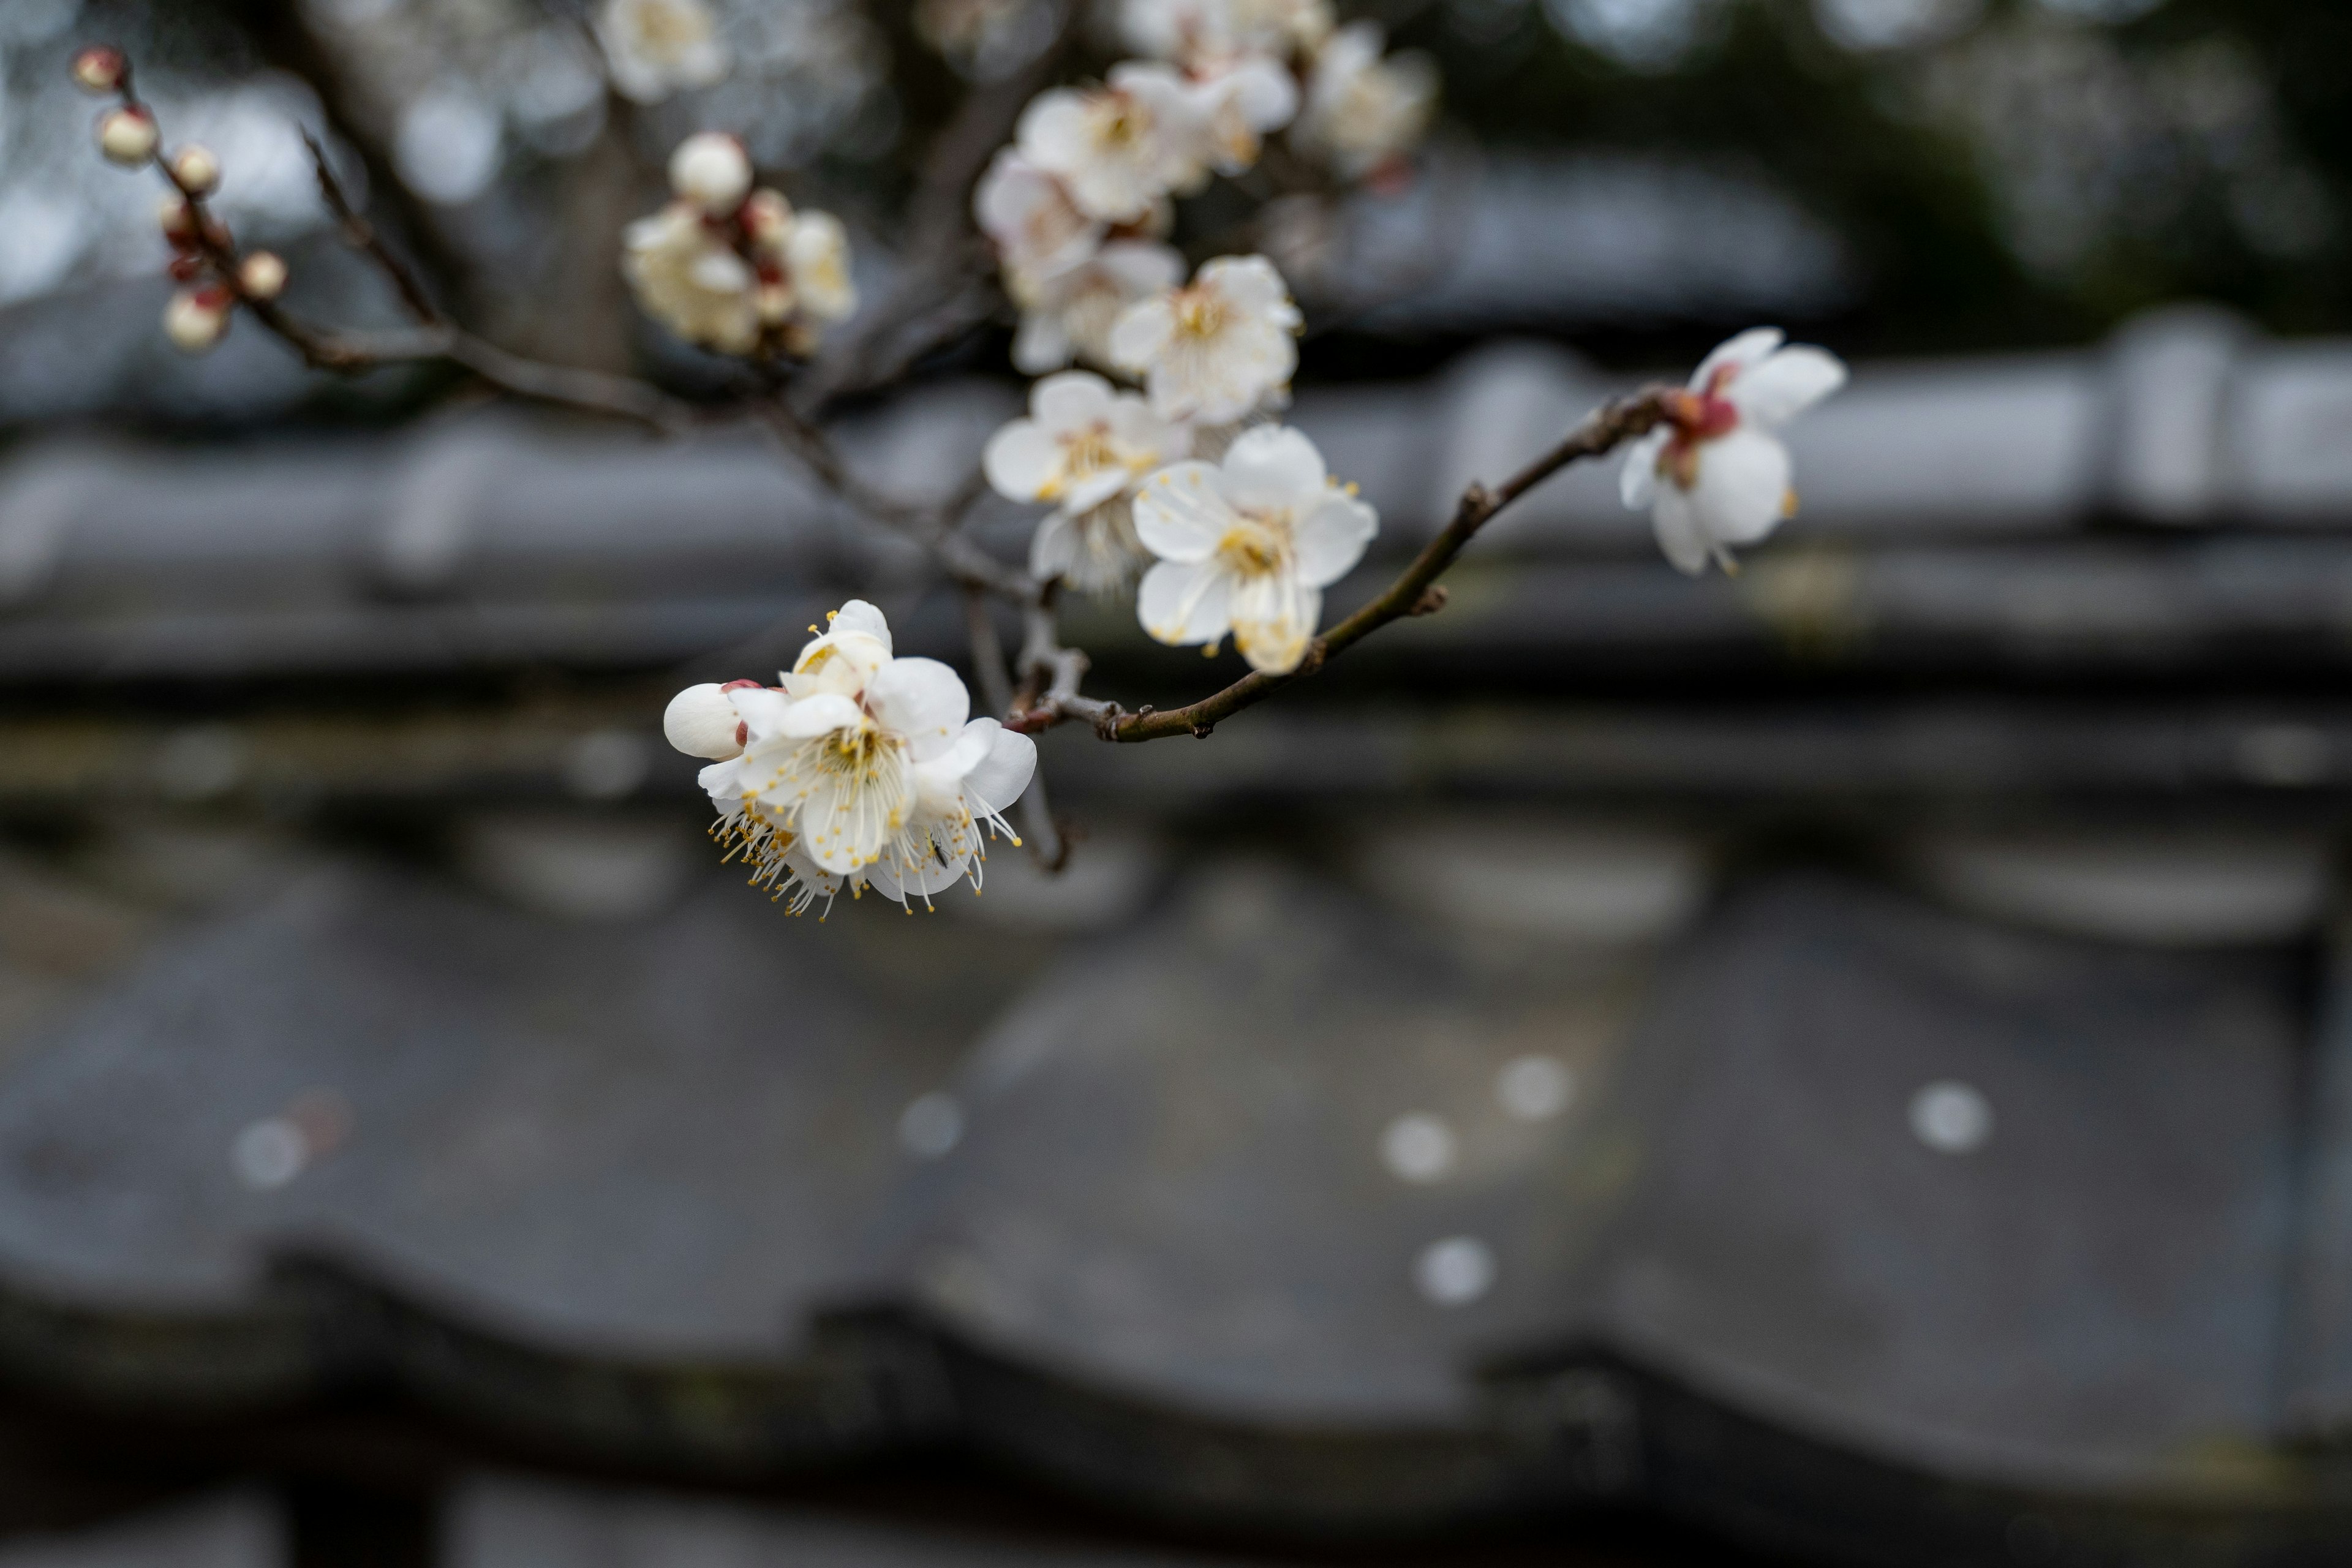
x=1121, y=147
x=1068, y=314
x=1714, y=476
x=1363, y=109
x=655, y=47
x=1217, y=349
x=1083, y=447
x=1247, y=545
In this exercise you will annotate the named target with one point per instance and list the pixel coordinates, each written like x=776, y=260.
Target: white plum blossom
x=1084, y=447
x=1714, y=475
x=1362, y=108
x=1197, y=32
x=687, y=275
x=1038, y=229
x=1121, y=147
x=804, y=269
x=1218, y=350
x=655, y=47
x=1247, y=545
x=1069, y=314
x=861, y=769
x=1235, y=106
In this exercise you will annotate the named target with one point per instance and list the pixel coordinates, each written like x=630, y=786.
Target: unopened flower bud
x=196, y=169
x=712, y=171
x=196, y=318
x=185, y=267
x=774, y=303
x=261, y=275
x=127, y=136
x=177, y=219
x=98, y=69
x=768, y=218
x=702, y=723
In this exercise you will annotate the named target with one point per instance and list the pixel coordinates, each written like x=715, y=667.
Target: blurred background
x=1846, y=1063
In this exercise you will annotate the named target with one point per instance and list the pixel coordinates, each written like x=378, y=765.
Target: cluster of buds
x=733, y=268
x=211, y=275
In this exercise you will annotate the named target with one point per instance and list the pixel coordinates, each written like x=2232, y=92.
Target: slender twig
x=1415, y=591
x=361, y=236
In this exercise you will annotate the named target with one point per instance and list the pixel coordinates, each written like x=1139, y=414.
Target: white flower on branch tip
x=1069, y=314
x=1117, y=148
x=1247, y=545
x=1714, y=475
x=1217, y=349
x=711, y=170
x=1362, y=108
x=864, y=768
x=688, y=277
x=655, y=47
x=1038, y=228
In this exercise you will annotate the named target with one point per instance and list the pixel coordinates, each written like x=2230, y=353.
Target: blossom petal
x=1089, y=491
x=1022, y=461
x=1054, y=548
x=1743, y=487
x=1250, y=281
x=1185, y=602
x=1738, y=353
x=1005, y=771
x=1637, y=481
x=920, y=880
x=1051, y=130
x=1272, y=469
x=1071, y=401
x=1274, y=616
x=939, y=780
x=761, y=710
x=1675, y=520
x=1181, y=513
x=920, y=698
x=1785, y=384
x=1329, y=538
x=1142, y=332
x=858, y=615
x=1041, y=342
x=818, y=715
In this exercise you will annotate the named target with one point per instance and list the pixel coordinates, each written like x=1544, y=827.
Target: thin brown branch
x=1415, y=591
x=361, y=236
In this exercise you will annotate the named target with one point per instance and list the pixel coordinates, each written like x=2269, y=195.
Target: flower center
x=1120, y=121
x=1252, y=549
x=1088, y=450
x=1200, y=314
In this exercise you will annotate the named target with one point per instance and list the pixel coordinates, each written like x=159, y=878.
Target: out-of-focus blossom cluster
x=1079, y=208
x=735, y=269
x=858, y=769
x=1080, y=205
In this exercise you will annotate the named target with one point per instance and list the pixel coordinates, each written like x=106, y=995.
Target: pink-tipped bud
x=196, y=319
x=196, y=169
x=98, y=69
x=185, y=267
x=711, y=170
x=177, y=219
x=261, y=275
x=127, y=136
